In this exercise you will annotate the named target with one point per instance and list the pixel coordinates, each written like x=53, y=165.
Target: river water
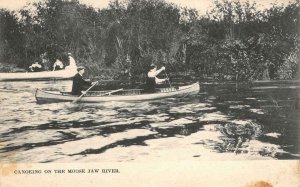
x=225, y=121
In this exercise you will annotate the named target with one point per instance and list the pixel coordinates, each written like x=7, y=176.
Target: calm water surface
x=223, y=122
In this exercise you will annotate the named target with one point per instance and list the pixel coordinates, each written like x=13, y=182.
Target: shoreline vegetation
x=233, y=41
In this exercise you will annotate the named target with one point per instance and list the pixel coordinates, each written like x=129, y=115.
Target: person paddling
x=152, y=80
x=79, y=84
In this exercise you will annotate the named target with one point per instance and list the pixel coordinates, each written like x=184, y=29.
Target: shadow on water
x=272, y=110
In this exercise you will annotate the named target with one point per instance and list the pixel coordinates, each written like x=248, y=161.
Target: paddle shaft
x=168, y=78
x=78, y=99
x=113, y=91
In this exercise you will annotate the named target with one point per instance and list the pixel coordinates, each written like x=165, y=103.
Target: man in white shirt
x=152, y=80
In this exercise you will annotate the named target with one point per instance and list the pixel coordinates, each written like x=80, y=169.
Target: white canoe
x=66, y=73
x=124, y=95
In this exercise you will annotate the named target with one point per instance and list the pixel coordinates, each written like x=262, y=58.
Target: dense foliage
x=233, y=41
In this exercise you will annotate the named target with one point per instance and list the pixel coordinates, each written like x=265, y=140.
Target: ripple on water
x=215, y=116
x=170, y=124
x=191, y=108
x=257, y=111
x=173, y=129
x=250, y=98
x=173, y=148
x=106, y=112
x=264, y=149
x=123, y=121
x=32, y=137
x=239, y=106
x=83, y=149
x=273, y=134
x=157, y=117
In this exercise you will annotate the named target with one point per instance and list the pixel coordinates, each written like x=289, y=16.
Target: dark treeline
x=233, y=41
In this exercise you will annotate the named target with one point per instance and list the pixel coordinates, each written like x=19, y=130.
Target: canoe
x=66, y=73
x=123, y=95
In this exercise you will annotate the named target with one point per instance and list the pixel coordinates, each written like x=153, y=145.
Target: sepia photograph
x=150, y=93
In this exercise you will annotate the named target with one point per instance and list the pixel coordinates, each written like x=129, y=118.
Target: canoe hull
x=44, y=75
x=46, y=96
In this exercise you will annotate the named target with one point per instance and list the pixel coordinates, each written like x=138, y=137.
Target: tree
x=11, y=38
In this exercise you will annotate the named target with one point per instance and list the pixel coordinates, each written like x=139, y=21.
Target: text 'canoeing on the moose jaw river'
x=64, y=171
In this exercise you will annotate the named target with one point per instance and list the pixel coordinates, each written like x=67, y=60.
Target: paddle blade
x=73, y=106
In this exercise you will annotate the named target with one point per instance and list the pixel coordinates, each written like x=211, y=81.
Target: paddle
x=113, y=91
x=168, y=79
x=79, y=98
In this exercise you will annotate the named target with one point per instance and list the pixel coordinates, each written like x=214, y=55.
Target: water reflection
x=219, y=123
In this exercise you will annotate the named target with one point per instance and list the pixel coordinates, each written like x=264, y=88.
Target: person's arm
x=160, y=70
x=159, y=81
x=30, y=68
x=84, y=82
x=153, y=74
x=90, y=84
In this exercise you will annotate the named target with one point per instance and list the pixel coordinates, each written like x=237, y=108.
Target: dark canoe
x=123, y=95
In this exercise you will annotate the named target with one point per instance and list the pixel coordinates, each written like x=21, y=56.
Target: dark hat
x=80, y=68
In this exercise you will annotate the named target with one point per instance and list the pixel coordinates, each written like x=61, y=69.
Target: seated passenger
x=58, y=65
x=35, y=67
x=72, y=63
